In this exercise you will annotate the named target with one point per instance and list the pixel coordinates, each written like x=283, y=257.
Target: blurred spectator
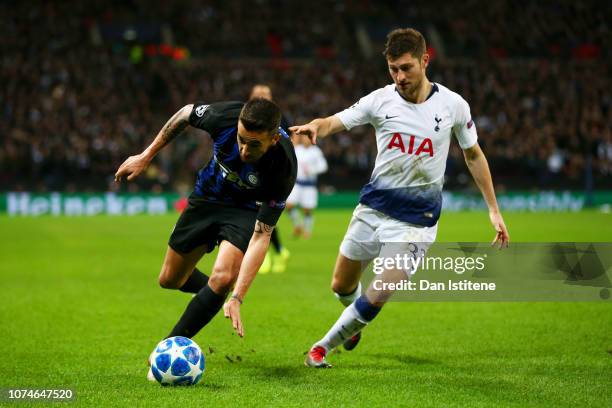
x=74, y=104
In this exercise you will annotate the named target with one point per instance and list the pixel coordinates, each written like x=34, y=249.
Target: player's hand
x=132, y=167
x=231, y=310
x=309, y=130
x=502, y=238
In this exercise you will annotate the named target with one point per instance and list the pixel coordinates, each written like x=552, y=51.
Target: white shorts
x=370, y=230
x=303, y=196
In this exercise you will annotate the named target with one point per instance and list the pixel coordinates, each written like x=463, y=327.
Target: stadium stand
x=85, y=84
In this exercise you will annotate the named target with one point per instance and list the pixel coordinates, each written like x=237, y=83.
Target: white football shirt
x=413, y=142
x=311, y=163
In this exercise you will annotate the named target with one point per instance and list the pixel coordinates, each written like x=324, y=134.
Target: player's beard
x=412, y=91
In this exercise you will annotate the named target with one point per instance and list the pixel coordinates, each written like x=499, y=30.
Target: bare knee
x=344, y=283
x=336, y=285
x=342, y=287
x=172, y=276
x=167, y=279
x=222, y=279
x=177, y=267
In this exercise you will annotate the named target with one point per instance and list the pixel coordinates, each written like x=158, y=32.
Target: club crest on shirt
x=438, y=120
x=253, y=179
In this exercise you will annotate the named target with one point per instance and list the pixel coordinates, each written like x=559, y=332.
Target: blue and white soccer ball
x=177, y=361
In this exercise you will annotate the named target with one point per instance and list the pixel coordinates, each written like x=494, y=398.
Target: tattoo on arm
x=262, y=228
x=175, y=125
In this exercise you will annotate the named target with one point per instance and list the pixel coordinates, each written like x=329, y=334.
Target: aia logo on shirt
x=424, y=147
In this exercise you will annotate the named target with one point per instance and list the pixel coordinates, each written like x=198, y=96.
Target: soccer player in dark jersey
x=238, y=197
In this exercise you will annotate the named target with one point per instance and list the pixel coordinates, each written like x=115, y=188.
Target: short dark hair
x=403, y=40
x=259, y=115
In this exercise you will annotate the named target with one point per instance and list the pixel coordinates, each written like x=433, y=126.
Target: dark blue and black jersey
x=263, y=186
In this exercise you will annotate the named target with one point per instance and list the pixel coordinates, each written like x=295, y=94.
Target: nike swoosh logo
x=390, y=117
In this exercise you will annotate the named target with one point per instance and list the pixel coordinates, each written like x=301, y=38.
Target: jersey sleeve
x=358, y=114
x=270, y=211
x=464, y=127
x=272, y=208
x=215, y=117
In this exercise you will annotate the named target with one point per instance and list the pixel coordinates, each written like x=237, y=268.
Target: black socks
x=275, y=241
x=195, y=283
x=202, y=308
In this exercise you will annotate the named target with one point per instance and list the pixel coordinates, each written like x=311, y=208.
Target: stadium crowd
x=75, y=101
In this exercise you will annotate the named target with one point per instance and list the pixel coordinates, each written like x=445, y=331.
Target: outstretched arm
x=134, y=165
x=321, y=127
x=253, y=258
x=478, y=166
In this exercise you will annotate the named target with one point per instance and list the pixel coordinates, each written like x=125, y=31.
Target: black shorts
x=206, y=223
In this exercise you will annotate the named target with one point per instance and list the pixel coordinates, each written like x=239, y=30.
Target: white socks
x=349, y=324
x=308, y=223
x=350, y=298
x=294, y=214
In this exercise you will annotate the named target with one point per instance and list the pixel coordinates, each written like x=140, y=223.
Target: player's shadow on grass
x=283, y=372
x=213, y=386
x=404, y=359
x=295, y=371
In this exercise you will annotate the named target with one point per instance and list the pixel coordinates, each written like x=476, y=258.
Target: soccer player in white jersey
x=414, y=120
x=311, y=163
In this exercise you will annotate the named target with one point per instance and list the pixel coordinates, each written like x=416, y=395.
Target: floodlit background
x=84, y=84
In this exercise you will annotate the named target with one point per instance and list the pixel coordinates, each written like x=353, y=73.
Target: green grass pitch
x=80, y=307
